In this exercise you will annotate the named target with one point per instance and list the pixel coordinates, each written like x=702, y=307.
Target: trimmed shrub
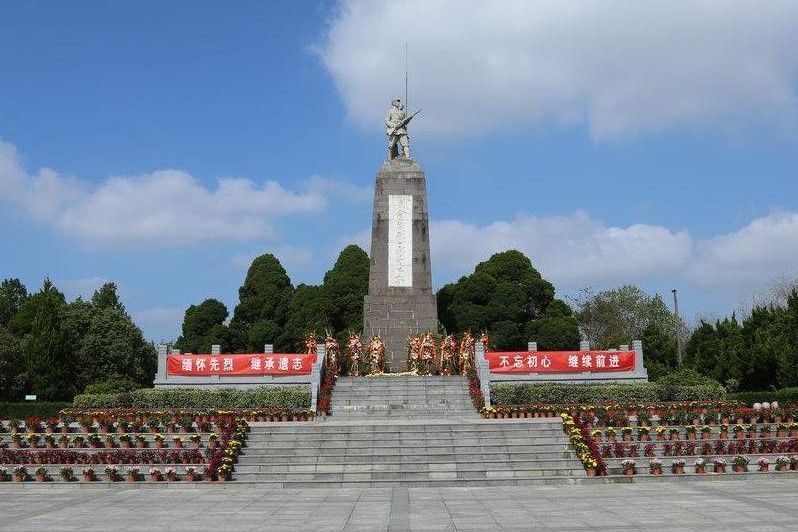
x=784, y=396
x=525, y=393
x=111, y=386
x=32, y=409
x=284, y=397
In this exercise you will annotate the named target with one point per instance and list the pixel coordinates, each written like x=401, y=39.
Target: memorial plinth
x=400, y=301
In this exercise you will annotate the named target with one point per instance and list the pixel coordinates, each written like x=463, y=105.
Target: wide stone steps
x=410, y=453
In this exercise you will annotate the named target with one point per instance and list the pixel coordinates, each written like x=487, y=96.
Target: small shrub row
x=31, y=409
x=784, y=396
x=287, y=397
x=525, y=393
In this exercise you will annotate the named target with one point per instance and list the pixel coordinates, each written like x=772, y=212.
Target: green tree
x=307, y=314
x=202, y=324
x=619, y=316
x=508, y=297
x=50, y=365
x=12, y=294
x=659, y=350
x=263, y=302
x=106, y=297
x=344, y=287
x=13, y=379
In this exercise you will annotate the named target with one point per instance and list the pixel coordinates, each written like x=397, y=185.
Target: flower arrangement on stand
x=677, y=466
x=782, y=463
x=331, y=349
x=89, y=475
x=170, y=473
x=764, y=464
x=355, y=354
x=376, y=351
x=448, y=356
x=629, y=467
x=467, y=353
x=700, y=466
x=720, y=465
x=429, y=354
x=414, y=354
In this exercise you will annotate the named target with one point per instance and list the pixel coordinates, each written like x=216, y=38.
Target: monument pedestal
x=400, y=302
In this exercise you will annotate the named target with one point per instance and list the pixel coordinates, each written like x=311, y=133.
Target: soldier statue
x=396, y=128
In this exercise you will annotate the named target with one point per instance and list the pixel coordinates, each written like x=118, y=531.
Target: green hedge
x=785, y=395
x=525, y=393
x=285, y=397
x=23, y=410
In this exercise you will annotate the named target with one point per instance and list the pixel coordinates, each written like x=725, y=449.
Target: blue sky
x=164, y=145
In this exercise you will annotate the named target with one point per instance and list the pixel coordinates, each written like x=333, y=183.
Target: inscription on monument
x=400, y=240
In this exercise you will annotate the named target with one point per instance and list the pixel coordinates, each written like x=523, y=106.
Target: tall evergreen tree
x=12, y=294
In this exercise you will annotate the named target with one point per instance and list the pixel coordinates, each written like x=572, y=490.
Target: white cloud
x=760, y=252
x=571, y=250
x=165, y=207
x=83, y=287
x=162, y=323
x=621, y=67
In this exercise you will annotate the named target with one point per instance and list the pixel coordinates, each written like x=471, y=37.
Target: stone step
x=370, y=458
x=288, y=467
x=384, y=437
x=404, y=449
x=414, y=476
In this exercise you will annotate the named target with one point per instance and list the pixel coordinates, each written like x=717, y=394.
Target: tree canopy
x=509, y=298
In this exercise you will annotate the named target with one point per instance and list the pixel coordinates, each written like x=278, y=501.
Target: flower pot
x=660, y=437
x=132, y=478
x=177, y=444
x=627, y=437
x=155, y=478
x=87, y=478
x=656, y=471
x=284, y=418
x=629, y=472
x=691, y=436
x=781, y=467
x=591, y=472
x=700, y=470
x=141, y=444
x=124, y=444
x=739, y=468
x=65, y=429
x=724, y=435
x=706, y=435
x=19, y=478
x=189, y=477
x=645, y=437
x=66, y=478
x=63, y=445
x=764, y=467
x=739, y=436
x=679, y=470
x=159, y=444
x=171, y=477
x=675, y=437
x=41, y=478
x=49, y=445
x=195, y=445
x=720, y=469
x=780, y=434
x=109, y=445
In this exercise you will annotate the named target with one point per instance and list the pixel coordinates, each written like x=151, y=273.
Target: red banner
x=254, y=364
x=560, y=361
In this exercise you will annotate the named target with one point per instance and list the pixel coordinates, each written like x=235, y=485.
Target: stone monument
x=400, y=301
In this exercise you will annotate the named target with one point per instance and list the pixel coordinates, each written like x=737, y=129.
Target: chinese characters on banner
x=254, y=364
x=560, y=361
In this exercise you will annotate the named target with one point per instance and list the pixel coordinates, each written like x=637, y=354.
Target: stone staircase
x=407, y=431
x=408, y=397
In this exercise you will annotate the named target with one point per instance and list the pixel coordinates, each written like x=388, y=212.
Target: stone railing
x=164, y=380
x=640, y=374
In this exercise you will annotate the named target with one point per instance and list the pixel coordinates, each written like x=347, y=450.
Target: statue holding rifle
x=396, y=128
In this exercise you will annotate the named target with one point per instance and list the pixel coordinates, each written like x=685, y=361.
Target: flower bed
x=122, y=456
x=586, y=449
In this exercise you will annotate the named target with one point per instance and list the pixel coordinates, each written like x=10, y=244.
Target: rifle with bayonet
x=403, y=123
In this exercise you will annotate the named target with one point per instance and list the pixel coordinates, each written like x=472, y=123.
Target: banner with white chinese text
x=560, y=361
x=251, y=364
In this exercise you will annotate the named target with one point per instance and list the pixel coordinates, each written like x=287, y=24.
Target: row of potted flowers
x=124, y=456
x=586, y=449
x=781, y=430
x=718, y=447
x=113, y=474
x=739, y=464
x=695, y=413
x=109, y=441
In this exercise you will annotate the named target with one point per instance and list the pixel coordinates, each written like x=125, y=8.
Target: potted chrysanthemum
x=677, y=466
x=700, y=466
x=629, y=467
x=763, y=463
x=740, y=463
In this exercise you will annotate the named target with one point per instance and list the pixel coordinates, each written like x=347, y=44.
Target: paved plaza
x=764, y=505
